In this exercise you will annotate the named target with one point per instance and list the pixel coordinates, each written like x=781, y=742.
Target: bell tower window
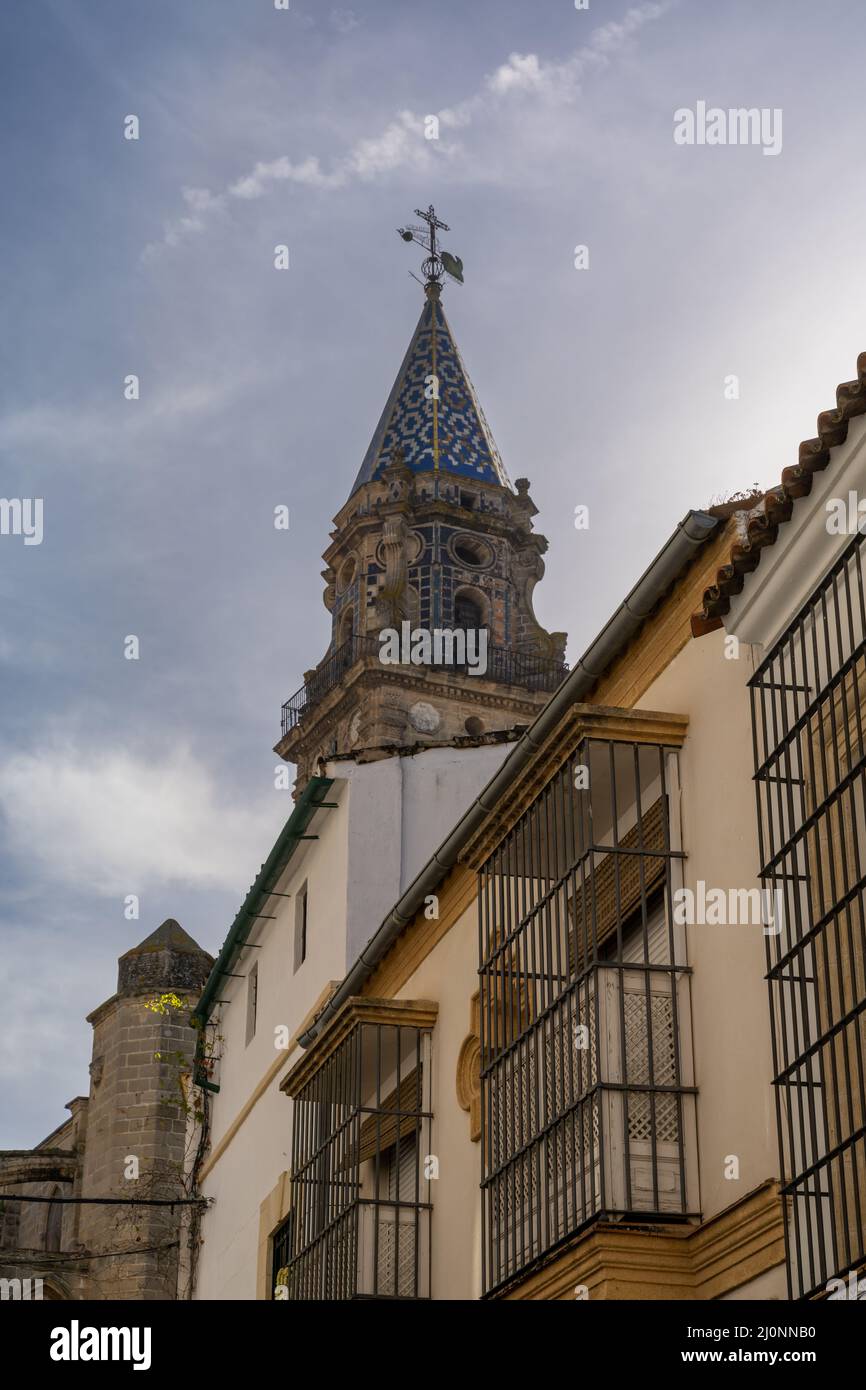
x=468, y=614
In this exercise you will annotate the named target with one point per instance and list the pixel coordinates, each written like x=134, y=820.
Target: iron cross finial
x=433, y=267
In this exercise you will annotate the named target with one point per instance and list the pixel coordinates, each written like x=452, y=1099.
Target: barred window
x=808, y=699
x=281, y=1251
x=361, y=1194
x=587, y=1104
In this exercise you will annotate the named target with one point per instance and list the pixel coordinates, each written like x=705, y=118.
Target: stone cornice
x=683, y=1262
x=369, y=673
x=404, y=1013
x=493, y=524
x=375, y=752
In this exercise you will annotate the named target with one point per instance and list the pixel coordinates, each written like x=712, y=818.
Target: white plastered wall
x=403, y=809
x=391, y=816
x=729, y=1002
x=251, y=1164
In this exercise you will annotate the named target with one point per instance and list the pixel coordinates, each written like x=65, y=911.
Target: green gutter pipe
x=308, y=803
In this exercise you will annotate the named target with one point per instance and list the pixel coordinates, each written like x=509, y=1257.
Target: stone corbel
x=391, y=602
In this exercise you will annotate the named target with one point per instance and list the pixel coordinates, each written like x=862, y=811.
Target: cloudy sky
x=258, y=387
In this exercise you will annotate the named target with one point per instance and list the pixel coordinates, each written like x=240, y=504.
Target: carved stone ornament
x=391, y=602
x=469, y=1071
x=424, y=717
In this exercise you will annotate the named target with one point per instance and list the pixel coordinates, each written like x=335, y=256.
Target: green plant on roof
x=164, y=1003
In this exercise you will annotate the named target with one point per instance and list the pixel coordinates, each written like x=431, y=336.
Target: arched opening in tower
x=469, y=613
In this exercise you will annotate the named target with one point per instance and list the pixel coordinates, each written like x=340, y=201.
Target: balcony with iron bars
x=504, y=666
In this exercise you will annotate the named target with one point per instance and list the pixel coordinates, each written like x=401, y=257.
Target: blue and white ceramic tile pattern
x=455, y=437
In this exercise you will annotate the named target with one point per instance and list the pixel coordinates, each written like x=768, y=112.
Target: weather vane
x=436, y=262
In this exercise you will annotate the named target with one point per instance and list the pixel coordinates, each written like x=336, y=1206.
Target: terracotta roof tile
x=756, y=524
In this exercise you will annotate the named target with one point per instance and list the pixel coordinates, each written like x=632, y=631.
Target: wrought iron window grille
x=361, y=1193
x=808, y=715
x=587, y=1095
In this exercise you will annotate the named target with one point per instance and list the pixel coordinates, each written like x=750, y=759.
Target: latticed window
x=587, y=1102
x=361, y=1135
x=809, y=714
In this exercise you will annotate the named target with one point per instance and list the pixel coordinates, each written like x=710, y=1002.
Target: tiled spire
x=433, y=413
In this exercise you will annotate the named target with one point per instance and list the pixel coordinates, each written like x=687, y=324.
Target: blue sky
x=155, y=257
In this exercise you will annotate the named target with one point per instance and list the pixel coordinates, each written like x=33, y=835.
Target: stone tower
x=84, y=1250
x=133, y=1112
x=433, y=538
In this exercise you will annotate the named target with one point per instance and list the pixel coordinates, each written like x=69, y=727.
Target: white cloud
x=613, y=35
x=117, y=822
x=255, y=184
x=518, y=74
x=402, y=144
x=525, y=73
x=201, y=199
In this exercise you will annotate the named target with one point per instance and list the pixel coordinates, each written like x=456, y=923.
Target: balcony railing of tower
x=504, y=666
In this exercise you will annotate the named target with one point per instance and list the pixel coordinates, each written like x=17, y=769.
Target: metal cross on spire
x=436, y=262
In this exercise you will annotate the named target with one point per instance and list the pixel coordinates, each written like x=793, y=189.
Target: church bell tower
x=429, y=574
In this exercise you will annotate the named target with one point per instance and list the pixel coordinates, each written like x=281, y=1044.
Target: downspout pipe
x=692, y=532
